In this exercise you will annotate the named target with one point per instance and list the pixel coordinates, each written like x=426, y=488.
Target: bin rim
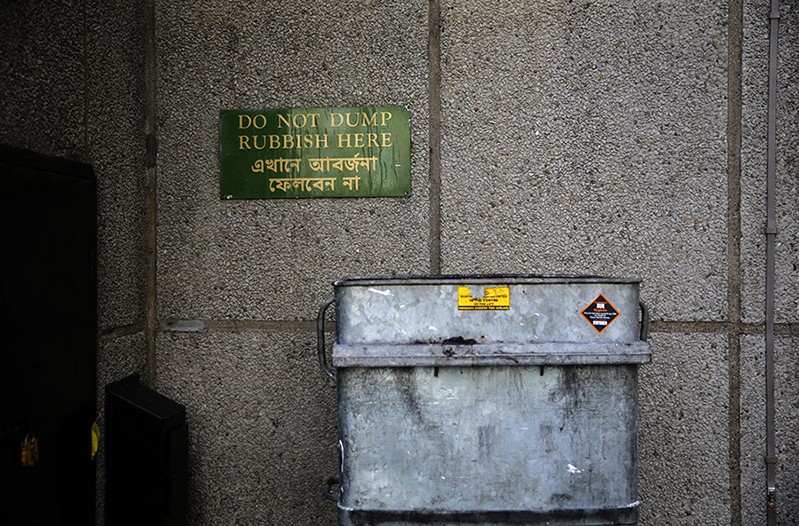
x=480, y=279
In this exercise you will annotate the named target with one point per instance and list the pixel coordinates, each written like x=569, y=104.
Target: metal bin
x=492, y=400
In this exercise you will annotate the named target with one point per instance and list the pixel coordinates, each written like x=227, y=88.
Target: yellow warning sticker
x=494, y=298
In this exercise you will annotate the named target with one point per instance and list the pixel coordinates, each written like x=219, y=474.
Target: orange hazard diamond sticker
x=600, y=313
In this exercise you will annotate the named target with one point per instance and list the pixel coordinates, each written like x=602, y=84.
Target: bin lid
x=508, y=309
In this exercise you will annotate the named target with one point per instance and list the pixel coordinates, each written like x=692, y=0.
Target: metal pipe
x=771, y=234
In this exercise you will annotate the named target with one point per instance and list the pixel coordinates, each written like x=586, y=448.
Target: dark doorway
x=48, y=315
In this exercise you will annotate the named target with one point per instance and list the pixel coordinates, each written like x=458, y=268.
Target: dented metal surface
x=517, y=416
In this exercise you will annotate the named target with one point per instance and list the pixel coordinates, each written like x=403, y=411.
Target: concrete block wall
x=569, y=137
x=588, y=138
x=72, y=86
x=254, y=273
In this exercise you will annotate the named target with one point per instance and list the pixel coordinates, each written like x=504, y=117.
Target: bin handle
x=644, y=334
x=320, y=339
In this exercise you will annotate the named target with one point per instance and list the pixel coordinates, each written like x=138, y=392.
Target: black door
x=48, y=359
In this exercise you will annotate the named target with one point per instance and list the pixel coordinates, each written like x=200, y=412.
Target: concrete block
x=42, y=106
x=119, y=357
x=583, y=138
x=262, y=426
x=753, y=430
x=787, y=257
x=275, y=259
x=754, y=80
x=116, y=147
x=683, y=431
x=754, y=162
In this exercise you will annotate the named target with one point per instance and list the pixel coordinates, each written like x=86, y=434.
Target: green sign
x=315, y=152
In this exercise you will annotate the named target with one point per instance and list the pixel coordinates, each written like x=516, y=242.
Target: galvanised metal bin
x=493, y=400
